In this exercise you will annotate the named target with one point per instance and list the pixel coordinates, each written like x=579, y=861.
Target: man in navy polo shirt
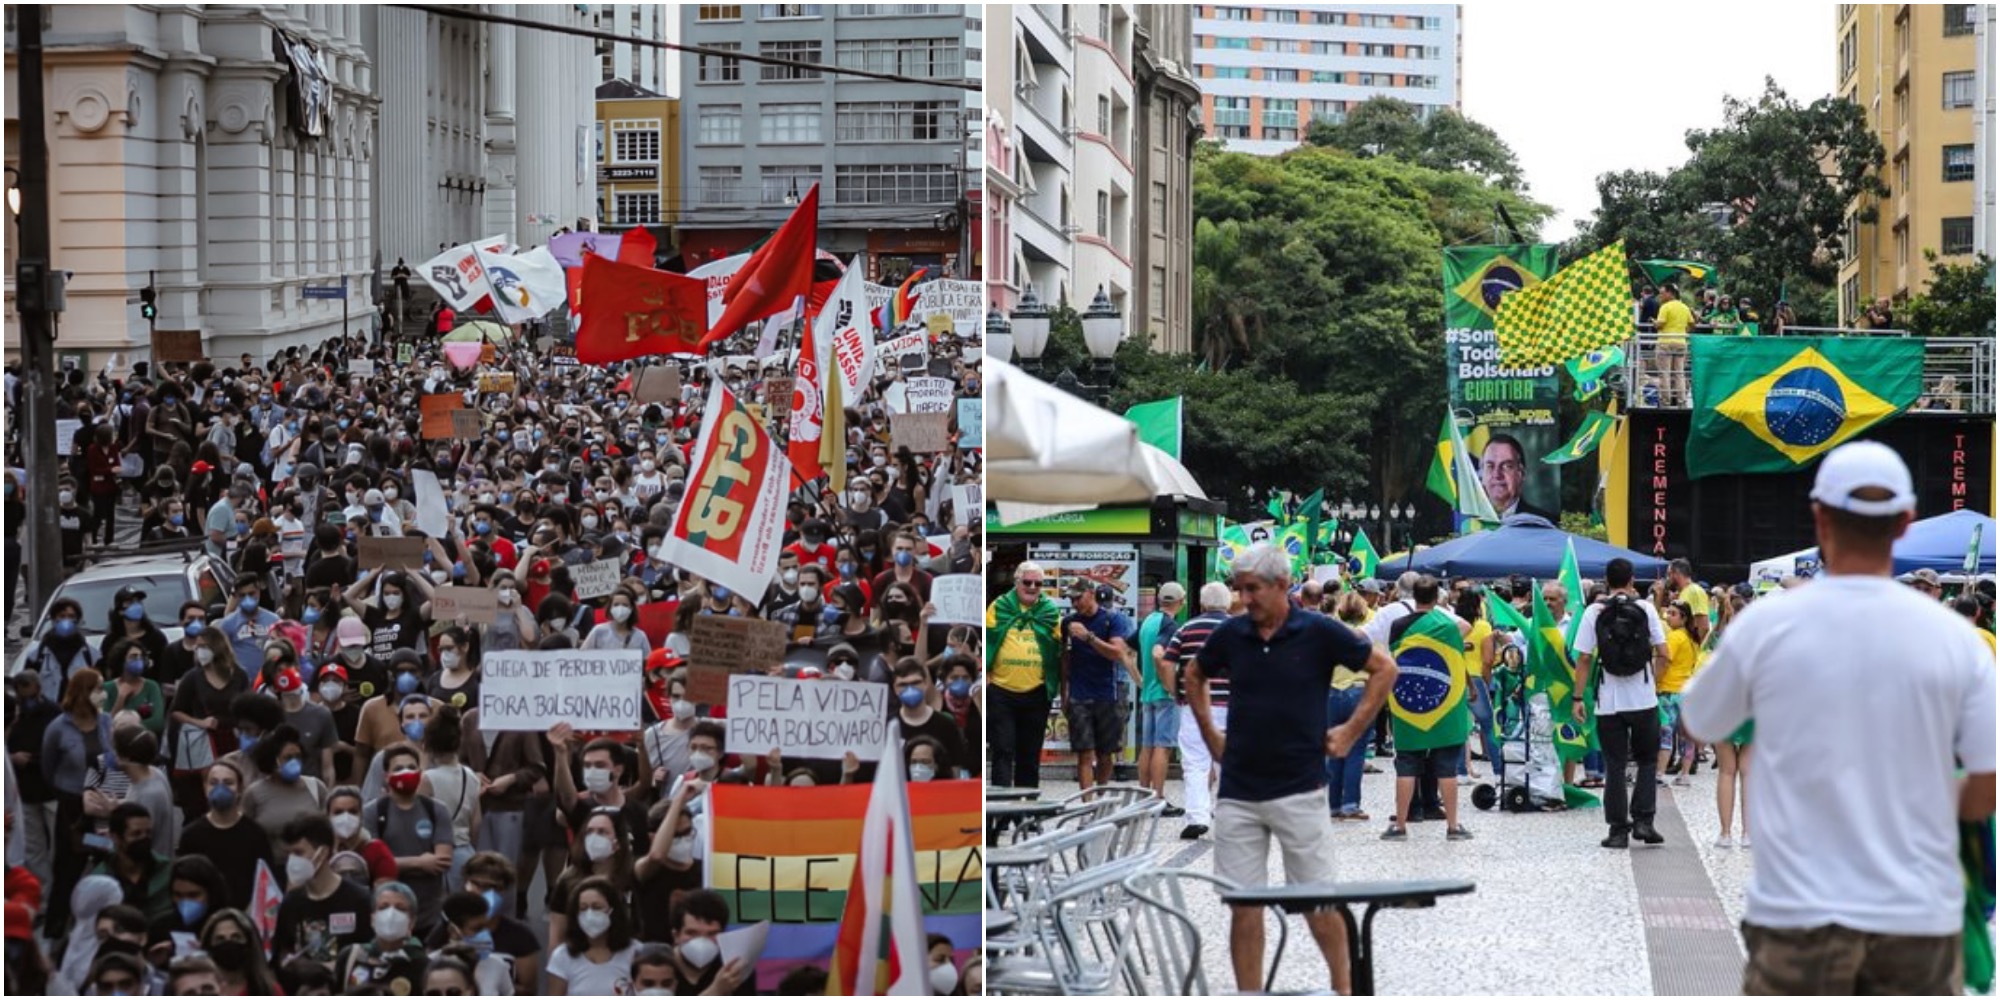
x=1279, y=661
x=1095, y=648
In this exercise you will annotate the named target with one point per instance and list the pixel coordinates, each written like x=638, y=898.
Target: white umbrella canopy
x=1047, y=447
x=1172, y=478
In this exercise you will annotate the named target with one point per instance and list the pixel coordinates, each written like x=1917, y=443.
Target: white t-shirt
x=1864, y=692
x=1621, y=694
x=590, y=979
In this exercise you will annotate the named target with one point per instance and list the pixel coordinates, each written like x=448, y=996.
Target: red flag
x=574, y=279
x=265, y=897
x=774, y=277
x=637, y=311
x=637, y=247
x=905, y=303
x=808, y=412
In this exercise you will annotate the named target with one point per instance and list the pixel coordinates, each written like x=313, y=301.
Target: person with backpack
x=1620, y=647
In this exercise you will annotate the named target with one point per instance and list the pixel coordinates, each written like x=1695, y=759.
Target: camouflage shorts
x=1833, y=960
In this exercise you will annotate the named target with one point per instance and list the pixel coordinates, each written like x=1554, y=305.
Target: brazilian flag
x=1362, y=560
x=1595, y=426
x=1686, y=273
x=1774, y=405
x=1476, y=277
x=1427, y=706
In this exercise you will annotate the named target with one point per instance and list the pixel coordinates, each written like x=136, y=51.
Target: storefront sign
x=1102, y=521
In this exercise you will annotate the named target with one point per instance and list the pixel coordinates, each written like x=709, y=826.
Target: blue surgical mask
x=505, y=497
x=343, y=423
x=959, y=688
x=178, y=519
x=193, y=627
x=289, y=771
x=482, y=943
x=192, y=910
x=721, y=592
x=65, y=627
x=135, y=666
x=736, y=612
x=847, y=569
x=910, y=697
x=829, y=614
x=905, y=558
x=311, y=616
x=406, y=682
x=414, y=728
x=483, y=527
x=135, y=612
x=493, y=902
x=244, y=741
x=248, y=603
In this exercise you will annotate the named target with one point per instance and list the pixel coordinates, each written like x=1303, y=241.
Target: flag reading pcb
x=732, y=520
x=593, y=690
x=810, y=720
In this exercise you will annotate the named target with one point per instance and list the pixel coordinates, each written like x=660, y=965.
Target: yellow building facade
x=1911, y=68
x=638, y=158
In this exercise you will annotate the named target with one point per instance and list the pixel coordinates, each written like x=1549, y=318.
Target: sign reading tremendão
x=532, y=690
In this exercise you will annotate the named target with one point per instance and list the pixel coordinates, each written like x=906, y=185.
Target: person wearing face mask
x=382, y=717
x=963, y=695
x=457, y=681
x=135, y=750
x=464, y=955
x=357, y=855
x=286, y=792
x=225, y=837
x=604, y=783
x=198, y=889
x=248, y=624
x=392, y=959
x=620, y=629
x=73, y=754
x=232, y=940
x=129, y=623
x=663, y=746
x=903, y=567
x=811, y=618
x=812, y=548
x=476, y=918
x=322, y=913
x=319, y=732
x=514, y=624
x=34, y=812
x=396, y=619
x=130, y=689
x=916, y=718
x=75, y=523
x=61, y=650
x=454, y=785
x=671, y=864
x=697, y=919
x=706, y=746
x=860, y=512
x=594, y=957
x=600, y=850
x=417, y=830
x=367, y=675
x=144, y=876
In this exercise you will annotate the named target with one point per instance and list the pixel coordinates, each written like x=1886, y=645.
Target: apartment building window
x=1850, y=52
x=1959, y=18
x=780, y=183
x=1232, y=111
x=895, y=121
x=717, y=68
x=1958, y=162
x=1103, y=115
x=635, y=209
x=1959, y=90
x=1902, y=246
x=1378, y=20
x=789, y=122
x=1433, y=24
x=1372, y=50
x=801, y=51
x=1373, y=79
x=719, y=12
x=1232, y=131
x=1232, y=13
x=1104, y=214
x=1326, y=48
x=1280, y=134
x=719, y=124
x=896, y=184
x=1850, y=242
x=1104, y=21
x=1902, y=176
x=1157, y=293
x=932, y=58
x=635, y=141
x=1328, y=17
x=1426, y=82
x=1328, y=76
x=721, y=185
x=1232, y=43
x=892, y=9
x=1850, y=299
x=1159, y=205
x=1329, y=111
x=1280, y=113
x=1229, y=72
x=789, y=11
x=1957, y=236
x=1282, y=16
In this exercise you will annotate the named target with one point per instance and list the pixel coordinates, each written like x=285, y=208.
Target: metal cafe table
x=1312, y=897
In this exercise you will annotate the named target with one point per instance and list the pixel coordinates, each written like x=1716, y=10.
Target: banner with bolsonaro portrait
x=1509, y=415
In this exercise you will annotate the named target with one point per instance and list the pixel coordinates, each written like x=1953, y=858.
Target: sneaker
x=1744, y=842
x=1173, y=811
x=1458, y=833
x=1682, y=782
x=1617, y=841
x=1643, y=830
x=1358, y=816
x=1396, y=833
x=1193, y=831
x=1724, y=842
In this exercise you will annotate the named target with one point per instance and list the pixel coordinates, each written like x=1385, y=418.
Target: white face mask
x=597, y=847
x=448, y=659
x=391, y=924
x=700, y=952
x=594, y=922
x=683, y=709
x=331, y=691
x=390, y=494
x=844, y=672
x=507, y=598
x=299, y=870
x=204, y=655
x=346, y=825
x=590, y=520
x=392, y=601
x=701, y=761
x=621, y=612
x=681, y=851
x=922, y=772
x=944, y=979
x=597, y=779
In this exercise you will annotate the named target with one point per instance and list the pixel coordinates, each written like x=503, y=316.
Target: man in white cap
x=1857, y=888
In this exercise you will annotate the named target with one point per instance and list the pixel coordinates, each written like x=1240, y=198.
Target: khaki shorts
x=1833, y=960
x=1244, y=830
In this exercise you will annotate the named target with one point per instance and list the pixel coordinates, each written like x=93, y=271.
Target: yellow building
x=1911, y=67
x=638, y=158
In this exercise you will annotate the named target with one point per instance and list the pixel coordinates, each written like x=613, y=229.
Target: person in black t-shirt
x=322, y=913
x=916, y=717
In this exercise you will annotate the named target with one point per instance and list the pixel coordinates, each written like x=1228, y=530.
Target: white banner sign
x=717, y=275
x=432, y=517
x=963, y=301
x=731, y=523
x=810, y=720
x=911, y=351
x=958, y=597
x=594, y=579
x=532, y=690
x=846, y=332
x=929, y=395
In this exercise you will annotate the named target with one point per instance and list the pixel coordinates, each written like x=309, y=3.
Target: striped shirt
x=1186, y=645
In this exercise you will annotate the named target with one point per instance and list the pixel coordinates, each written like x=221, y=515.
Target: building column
x=403, y=190
x=544, y=126
x=500, y=203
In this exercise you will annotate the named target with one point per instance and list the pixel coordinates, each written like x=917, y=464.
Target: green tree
x=1446, y=141
x=1958, y=303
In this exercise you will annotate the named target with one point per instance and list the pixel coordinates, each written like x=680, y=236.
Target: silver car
x=169, y=580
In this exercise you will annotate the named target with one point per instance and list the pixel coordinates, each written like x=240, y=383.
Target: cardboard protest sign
x=962, y=303
x=477, y=604
x=497, y=382
x=719, y=646
x=466, y=424
x=929, y=395
x=810, y=720
x=960, y=599
x=657, y=384
x=364, y=367
x=778, y=392
x=909, y=352
x=177, y=345
x=533, y=690
x=437, y=409
x=921, y=432
x=377, y=552
x=406, y=353
x=594, y=579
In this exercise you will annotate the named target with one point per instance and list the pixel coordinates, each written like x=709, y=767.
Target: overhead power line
x=462, y=14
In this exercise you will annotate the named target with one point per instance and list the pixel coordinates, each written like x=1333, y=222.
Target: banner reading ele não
x=532, y=690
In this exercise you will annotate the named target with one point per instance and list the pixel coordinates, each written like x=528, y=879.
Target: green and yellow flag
x=1571, y=578
x=1774, y=405
x=1159, y=424
x=1686, y=273
x=1452, y=476
x=1595, y=427
x=1427, y=706
x=1589, y=370
x=1587, y=305
x=1362, y=560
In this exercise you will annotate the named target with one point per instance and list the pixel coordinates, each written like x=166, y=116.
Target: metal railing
x=1958, y=371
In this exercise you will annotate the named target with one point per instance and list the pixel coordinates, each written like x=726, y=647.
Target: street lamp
x=1103, y=329
x=1031, y=330
x=999, y=336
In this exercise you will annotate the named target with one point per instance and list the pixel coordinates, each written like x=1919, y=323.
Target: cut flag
x=1427, y=705
x=777, y=275
x=731, y=523
x=637, y=311
x=1774, y=405
x=1159, y=424
x=526, y=286
x=1586, y=305
x=457, y=275
x=881, y=950
x=638, y=248
x=1362, y=560
x=844, y=326
x=905, y=301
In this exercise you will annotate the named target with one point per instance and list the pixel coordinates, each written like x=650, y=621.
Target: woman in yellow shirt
x=1682, y=653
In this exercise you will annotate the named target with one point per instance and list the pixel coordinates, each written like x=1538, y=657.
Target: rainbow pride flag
x=787, y=855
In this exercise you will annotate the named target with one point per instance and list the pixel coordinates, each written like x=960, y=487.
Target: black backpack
x=1624, y=637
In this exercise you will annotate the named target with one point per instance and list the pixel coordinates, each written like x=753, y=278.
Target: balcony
x=1958, y=371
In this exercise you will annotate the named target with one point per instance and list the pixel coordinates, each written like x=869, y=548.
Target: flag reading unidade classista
x=1427, y=704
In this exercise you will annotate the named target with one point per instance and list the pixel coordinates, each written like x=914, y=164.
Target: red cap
x=333, y=670
x=200, y=466
x=20, y=922
x=289, y=680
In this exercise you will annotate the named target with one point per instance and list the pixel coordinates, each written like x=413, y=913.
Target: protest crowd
x=274, y=777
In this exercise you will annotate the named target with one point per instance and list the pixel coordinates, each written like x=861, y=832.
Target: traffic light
x=148, y=309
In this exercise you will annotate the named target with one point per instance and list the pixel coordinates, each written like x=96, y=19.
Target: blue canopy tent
x=1525, y=544
x=1938, y=543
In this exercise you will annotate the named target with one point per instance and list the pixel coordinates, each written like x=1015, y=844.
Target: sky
x=1577, y=95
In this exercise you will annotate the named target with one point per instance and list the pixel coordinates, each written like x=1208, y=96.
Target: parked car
x=169, y=579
